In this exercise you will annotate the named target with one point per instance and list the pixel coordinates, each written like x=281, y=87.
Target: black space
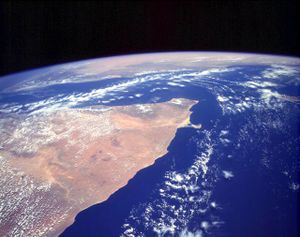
x=40, y=33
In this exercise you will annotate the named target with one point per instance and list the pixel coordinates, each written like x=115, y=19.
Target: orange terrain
x=55, y=164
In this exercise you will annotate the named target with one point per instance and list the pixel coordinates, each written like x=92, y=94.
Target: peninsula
x=55, y=164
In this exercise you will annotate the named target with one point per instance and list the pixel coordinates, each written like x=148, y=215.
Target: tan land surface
x=54, y=165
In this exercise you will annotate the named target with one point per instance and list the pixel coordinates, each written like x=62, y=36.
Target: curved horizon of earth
x=158, y=144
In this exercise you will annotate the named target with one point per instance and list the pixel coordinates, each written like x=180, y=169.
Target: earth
x=163, y=144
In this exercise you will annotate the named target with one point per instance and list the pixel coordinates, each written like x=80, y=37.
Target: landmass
x=55, y=164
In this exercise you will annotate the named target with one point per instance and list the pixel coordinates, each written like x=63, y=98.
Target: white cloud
x=138, y=95
x=259, y=84
x=205, y=225
x=186, y=233
x=294, y=186
x=222, y=98
x=279, y=70
x=227, y=174
x=179, y=190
